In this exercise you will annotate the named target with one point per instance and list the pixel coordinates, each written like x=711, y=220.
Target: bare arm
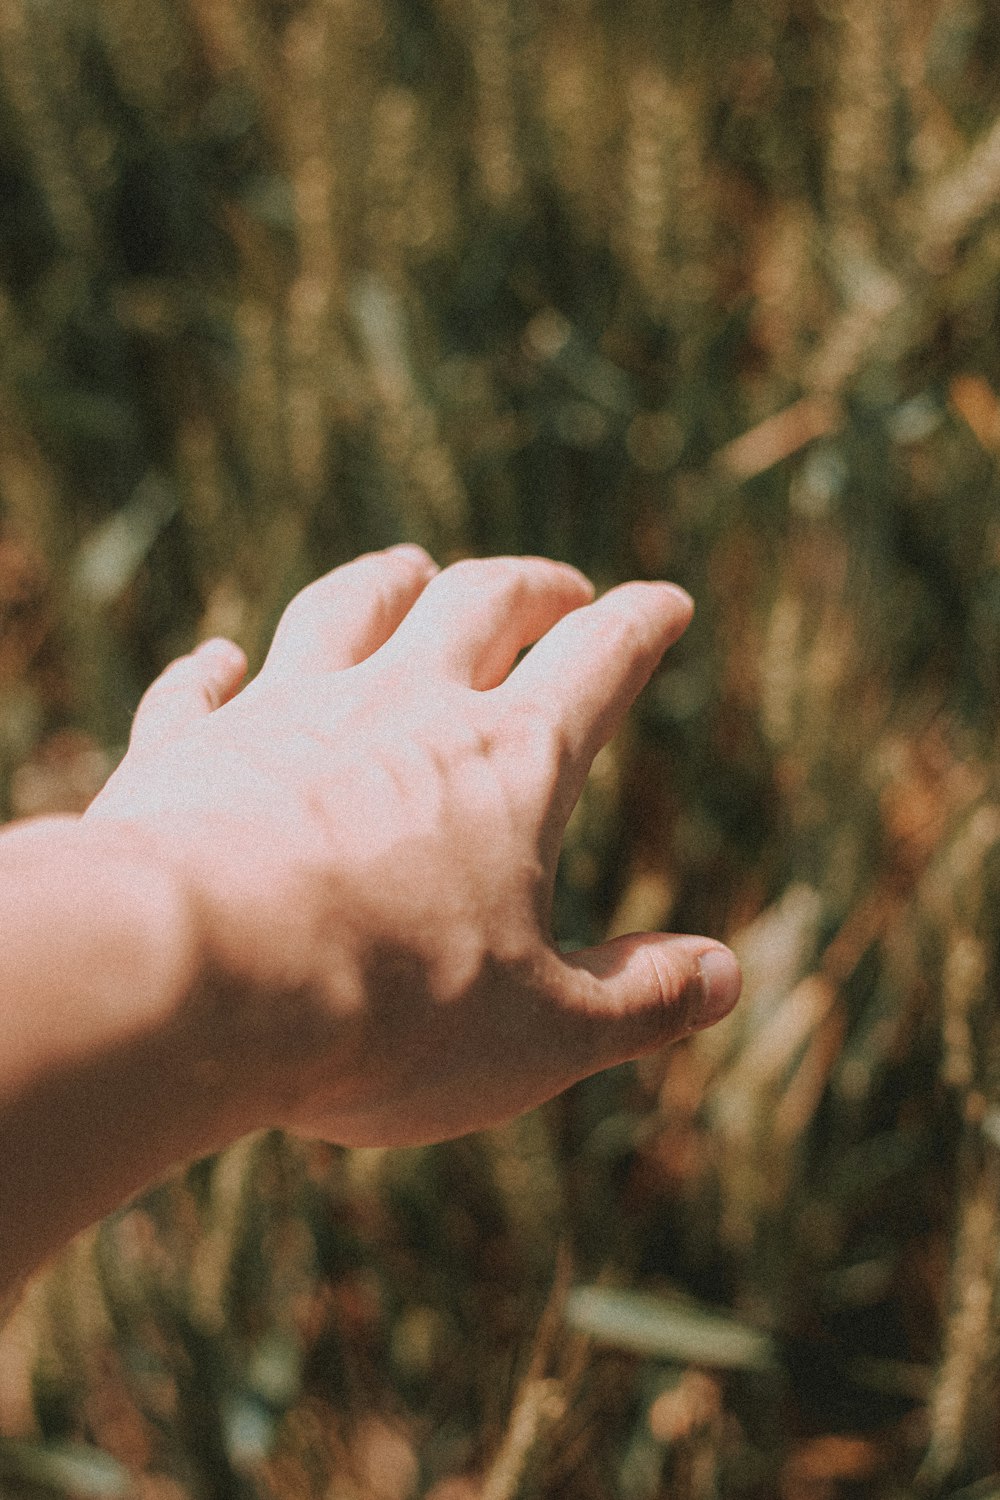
x=323, y=902
x=103, y=1083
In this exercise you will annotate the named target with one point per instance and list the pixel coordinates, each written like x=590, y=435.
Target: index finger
x=589, y=669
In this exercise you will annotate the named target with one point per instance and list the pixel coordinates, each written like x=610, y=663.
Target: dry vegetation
x=699, y=289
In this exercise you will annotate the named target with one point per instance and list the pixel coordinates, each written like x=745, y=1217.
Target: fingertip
x=582, y=582
x=226, y=665
x=578, y=582
x=676, y=598
x=672, y=596
x=668, y=607
x=189, y=688
x=681, y=983
x=222, y=655
x=682, y=597
x=414, y=553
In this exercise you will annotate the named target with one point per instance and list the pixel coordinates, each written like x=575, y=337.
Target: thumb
x=190, y=688
x=642, y=991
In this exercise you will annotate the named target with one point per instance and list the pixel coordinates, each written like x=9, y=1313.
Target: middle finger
x=471, y=621
x=588, y=670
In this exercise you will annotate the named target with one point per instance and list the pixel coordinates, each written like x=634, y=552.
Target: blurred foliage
x=705, y=290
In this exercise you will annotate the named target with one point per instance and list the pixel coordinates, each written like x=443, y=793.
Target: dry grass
x=705, y=291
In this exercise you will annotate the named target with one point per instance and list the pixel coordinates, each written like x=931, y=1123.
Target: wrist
x=113, y=912
x=146, y=979
x=270, y=987
x=108, y=1079
x=187, y=1002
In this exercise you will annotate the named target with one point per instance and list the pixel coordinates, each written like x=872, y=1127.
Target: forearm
x=105, y=1081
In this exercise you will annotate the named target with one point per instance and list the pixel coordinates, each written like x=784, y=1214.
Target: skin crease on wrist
x=322, y=901
x=369, y=833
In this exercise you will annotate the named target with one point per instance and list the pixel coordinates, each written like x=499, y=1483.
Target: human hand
x=369, y=833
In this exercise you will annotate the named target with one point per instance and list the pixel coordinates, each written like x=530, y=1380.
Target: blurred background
x=704, y=290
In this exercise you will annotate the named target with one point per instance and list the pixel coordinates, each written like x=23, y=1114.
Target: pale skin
x=321, y=902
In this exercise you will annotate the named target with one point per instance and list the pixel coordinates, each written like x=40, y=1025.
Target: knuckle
x=633, y=641
x=381, y=599
x=681, y=996
x=532, y=733
x=632, y=636
x=473, y=735
x=467, y=568
x=535, y=750
x=502, y=575
x=671, y=987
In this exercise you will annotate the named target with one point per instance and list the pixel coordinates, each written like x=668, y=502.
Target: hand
x=369, y=834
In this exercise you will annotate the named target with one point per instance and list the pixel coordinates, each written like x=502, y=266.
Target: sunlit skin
x=322, y=902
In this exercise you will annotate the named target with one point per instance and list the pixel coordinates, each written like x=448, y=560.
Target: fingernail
x=721, y=982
